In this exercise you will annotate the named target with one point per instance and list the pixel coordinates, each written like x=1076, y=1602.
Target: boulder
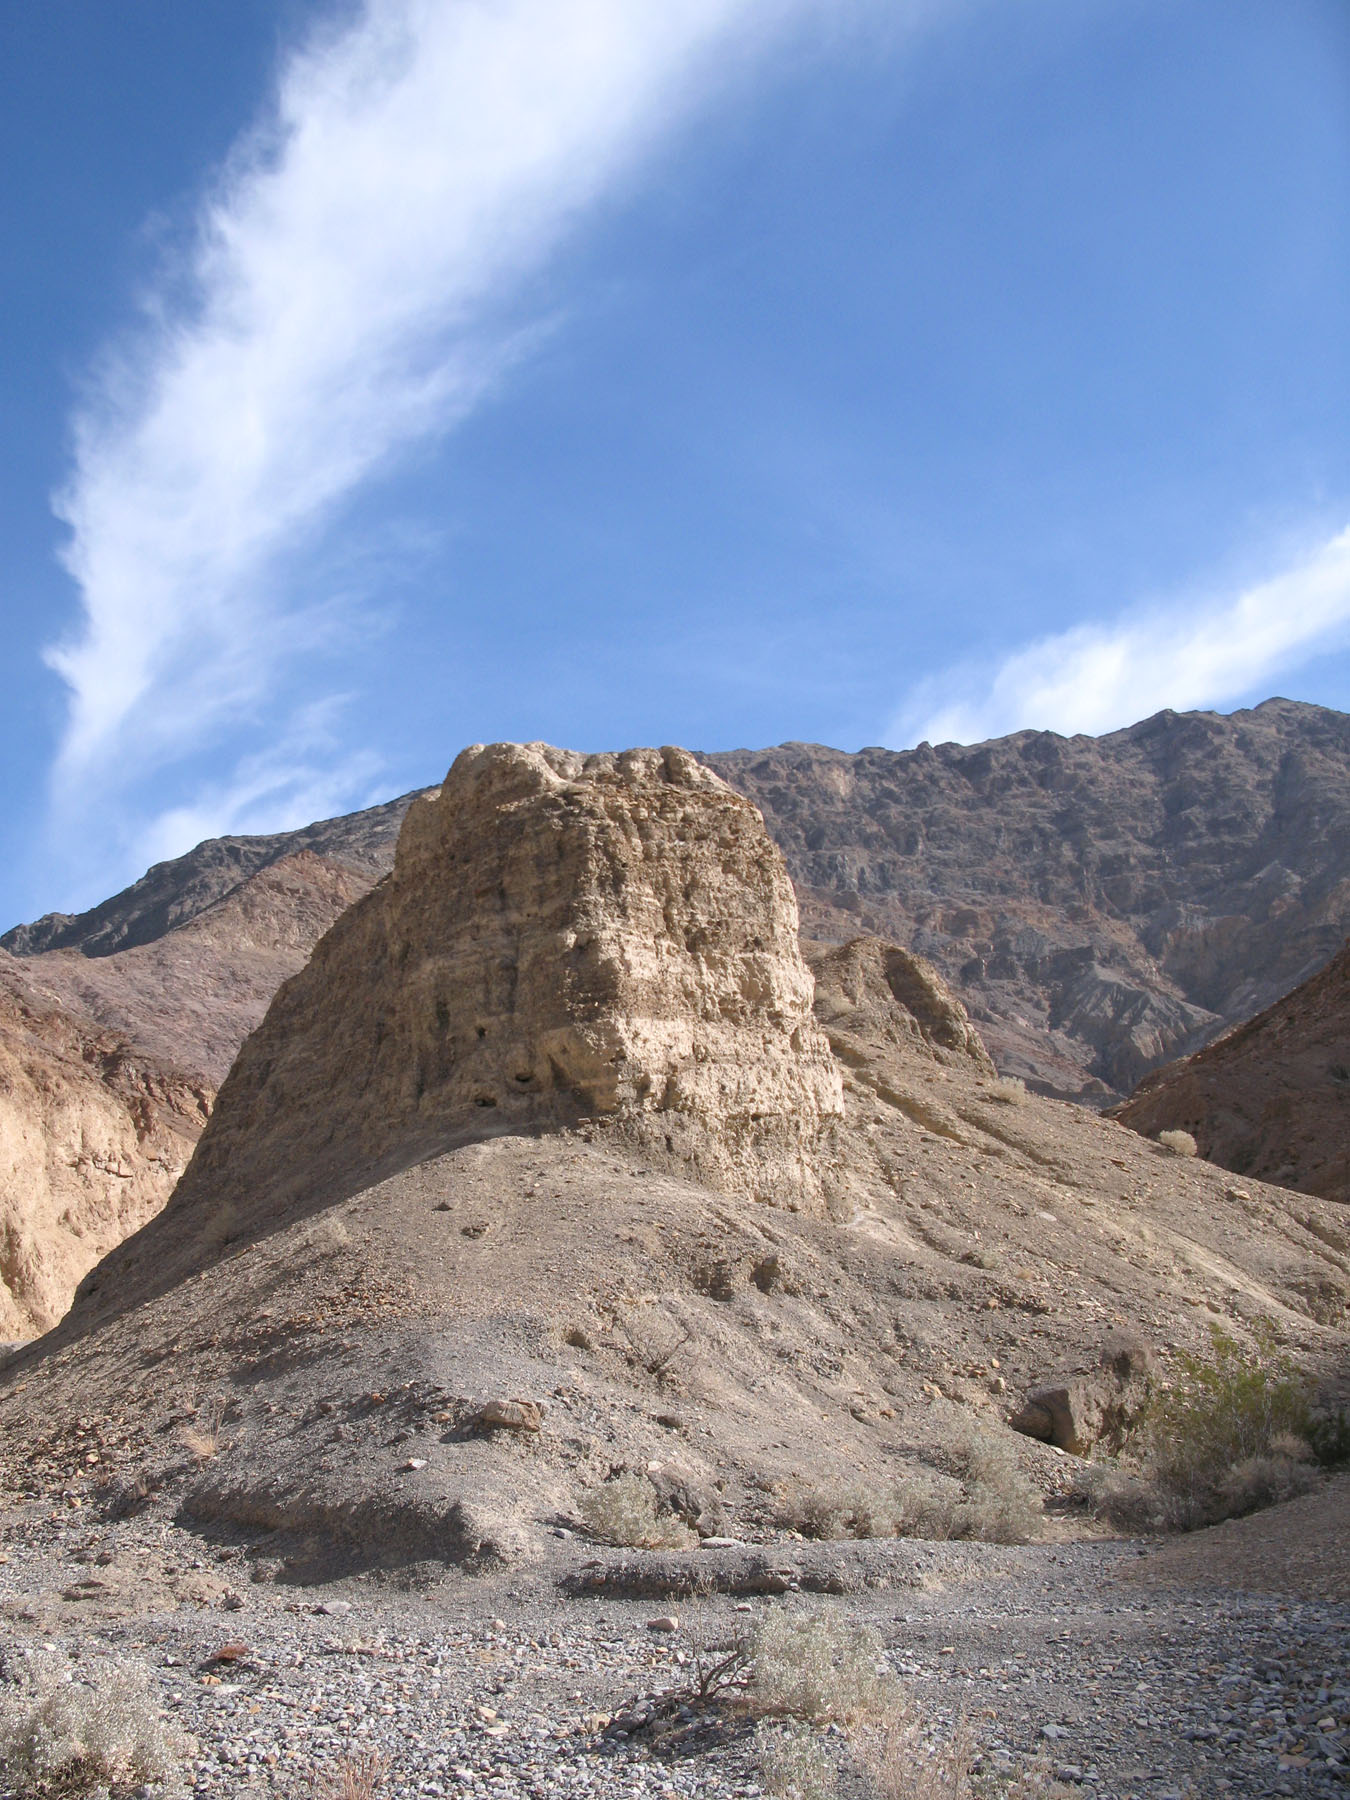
x=1098, y=1407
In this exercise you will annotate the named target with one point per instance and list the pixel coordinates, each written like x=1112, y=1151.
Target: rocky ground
x=1215, y=1665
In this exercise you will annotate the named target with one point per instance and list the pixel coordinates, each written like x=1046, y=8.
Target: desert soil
x=1215, y=1664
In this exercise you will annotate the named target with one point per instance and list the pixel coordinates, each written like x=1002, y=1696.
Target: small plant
x=816, y=1666
x=357, y=1776
x=897, y=1762
x=1011, y=1090
x=1180, y=1143
x=900, y=1761
x=988, y=1499
x=202, y=1438
x=794, y=1765
x=625, y=1511
x=93, y=1727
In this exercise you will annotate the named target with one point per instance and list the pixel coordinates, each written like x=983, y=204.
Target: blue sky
x=383, y=377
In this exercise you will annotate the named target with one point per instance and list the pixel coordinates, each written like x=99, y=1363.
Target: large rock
x=1098, y=1408
x=563, y=938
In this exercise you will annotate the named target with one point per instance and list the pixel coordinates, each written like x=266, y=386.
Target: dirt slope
x=1271, y=1098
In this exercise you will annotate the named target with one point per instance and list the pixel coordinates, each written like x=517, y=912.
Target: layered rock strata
x=93, y=1135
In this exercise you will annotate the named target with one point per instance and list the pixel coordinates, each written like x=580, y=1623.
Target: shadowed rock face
x=562, y=938
x=1270, y=1099
x=1100, y=904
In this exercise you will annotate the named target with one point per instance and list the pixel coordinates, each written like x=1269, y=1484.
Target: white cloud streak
x=345, y=297
x=1097, y=678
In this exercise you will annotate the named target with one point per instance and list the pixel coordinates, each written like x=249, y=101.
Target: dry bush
x=793, y=1765
x=1180, y=1143
x=818, y=1666
x=202, y=1437
x=625, y=1512
x=988, y=1499
x=1002, y=1506
x=1010, y=1089
x=93, y=1727
x=899, y=1761
x=898, y=1764
x=357, y=1776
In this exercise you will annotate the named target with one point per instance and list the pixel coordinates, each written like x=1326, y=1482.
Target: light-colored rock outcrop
x=562, y=938
x=93, y=1136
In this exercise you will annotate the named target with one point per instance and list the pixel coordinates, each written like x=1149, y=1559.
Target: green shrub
x=818, y=1666
x=1231, y=1433
x=625, y=1511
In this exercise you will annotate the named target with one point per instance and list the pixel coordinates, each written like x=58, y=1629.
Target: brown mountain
x=114, y=1040
x=557, y=1161
x=1270, y=1098
x=1102, y=904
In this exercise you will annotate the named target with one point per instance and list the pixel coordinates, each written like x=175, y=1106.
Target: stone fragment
x=511, y=1415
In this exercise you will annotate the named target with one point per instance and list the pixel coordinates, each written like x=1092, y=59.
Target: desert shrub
x=817, y=1666
x=1229, y=1434
x=1002, y=1507
x=1180, y=1143
x=988, y=1498
x=794, y=1765
x=625, y=1511
x=1010, y=1089
x=70, y=1729
x=898, y=1762
x=357, y=1776
x=201, y=1437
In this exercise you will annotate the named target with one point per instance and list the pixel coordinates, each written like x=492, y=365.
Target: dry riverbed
x=1213, y=1665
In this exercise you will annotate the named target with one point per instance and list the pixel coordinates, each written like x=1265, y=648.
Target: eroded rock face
x=1270, y=1099
x=562, y=938
x=93, y=1136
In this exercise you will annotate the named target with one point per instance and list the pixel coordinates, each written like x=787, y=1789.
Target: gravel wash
x=503, y=1685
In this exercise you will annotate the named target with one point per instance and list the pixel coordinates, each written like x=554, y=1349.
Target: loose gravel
x=508, y=1685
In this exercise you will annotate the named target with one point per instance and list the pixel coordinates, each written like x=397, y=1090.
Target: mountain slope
x=555, y=1162
x=1102, y=904
x=1270, y=1098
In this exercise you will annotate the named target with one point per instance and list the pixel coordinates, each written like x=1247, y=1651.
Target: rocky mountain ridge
x=1103, y=904
x=555, y=1163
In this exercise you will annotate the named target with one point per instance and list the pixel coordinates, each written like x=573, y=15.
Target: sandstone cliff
x=111, y=1064
x=1270, y=1098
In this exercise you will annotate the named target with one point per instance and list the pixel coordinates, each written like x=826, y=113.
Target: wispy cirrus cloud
x=1099, y=677
x=348, y=293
